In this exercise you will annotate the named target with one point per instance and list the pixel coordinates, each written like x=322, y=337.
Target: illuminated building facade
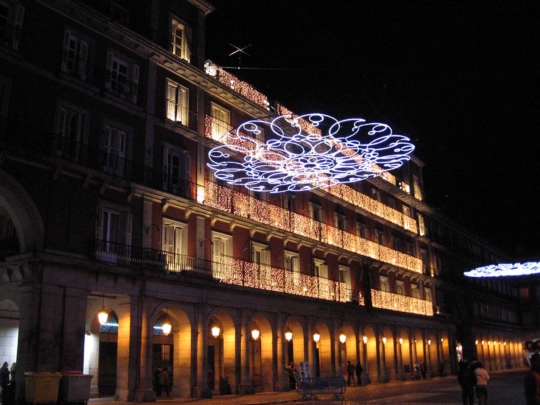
x=107, y=204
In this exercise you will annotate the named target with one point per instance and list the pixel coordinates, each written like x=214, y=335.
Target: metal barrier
x=310, y=387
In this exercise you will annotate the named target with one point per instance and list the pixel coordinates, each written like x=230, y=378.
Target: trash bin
x=74, y=387
x=8, y=394
x=42, y=387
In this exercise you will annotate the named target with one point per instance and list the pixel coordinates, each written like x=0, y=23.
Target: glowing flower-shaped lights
x=298, y=159
x=505, y=270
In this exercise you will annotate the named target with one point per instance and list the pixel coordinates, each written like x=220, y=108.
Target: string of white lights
x=294, y=160
x=505, y=270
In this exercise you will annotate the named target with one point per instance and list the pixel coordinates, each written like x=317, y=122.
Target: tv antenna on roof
x=239, y=51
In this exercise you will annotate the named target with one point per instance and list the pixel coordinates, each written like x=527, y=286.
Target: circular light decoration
x=306, y=152
x=505, y=270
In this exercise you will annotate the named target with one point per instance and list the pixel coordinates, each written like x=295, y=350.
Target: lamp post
x=365, y=378
x=383, y=371
x=103, y=315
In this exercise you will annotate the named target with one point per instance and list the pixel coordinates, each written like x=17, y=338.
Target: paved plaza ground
x=505, y=388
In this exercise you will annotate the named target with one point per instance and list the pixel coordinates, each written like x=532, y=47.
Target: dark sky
x=460, y=78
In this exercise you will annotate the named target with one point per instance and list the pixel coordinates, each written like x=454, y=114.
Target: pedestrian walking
x=164, y=381
x=359, y=370
x=482, y=378
x=350, y=373
x=532, y=381
x=157, y=386
x=466, y=380
x=4, y=377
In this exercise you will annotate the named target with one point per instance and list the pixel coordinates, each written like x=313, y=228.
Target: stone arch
x=20, y=207
x=262, y=352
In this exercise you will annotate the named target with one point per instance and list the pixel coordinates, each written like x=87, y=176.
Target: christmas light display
x=398, y=302
x=226, y=199
x=294, y=160
x=505, y=270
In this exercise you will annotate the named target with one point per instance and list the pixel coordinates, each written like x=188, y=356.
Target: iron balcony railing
x=227, y=270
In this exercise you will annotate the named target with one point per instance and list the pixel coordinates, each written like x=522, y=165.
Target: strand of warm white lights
x=234, y=83
x=226, y=199
x=295, y=161
x=398, y=302
x=264, y=277
x=505, y=270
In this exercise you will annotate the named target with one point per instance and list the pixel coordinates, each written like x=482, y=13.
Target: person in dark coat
x=532, y=381
x=164, y=381
x=350, y=373
x=466, y=380
x=359, y=370
x=157, y=386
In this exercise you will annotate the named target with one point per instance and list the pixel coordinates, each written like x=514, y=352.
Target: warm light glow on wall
x=224, y=198
x=398, y=302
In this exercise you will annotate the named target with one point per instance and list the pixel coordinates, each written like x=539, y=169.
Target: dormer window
x=180, y=39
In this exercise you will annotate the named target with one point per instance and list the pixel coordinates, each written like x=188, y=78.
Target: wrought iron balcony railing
x=227, y=270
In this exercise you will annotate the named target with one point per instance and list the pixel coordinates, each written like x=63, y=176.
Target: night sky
x=460, y=78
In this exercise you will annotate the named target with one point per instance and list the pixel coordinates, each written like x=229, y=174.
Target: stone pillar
x=201, y=353
x=128, y=367
x=145, y=392
x=246, y=386
x=280, y=344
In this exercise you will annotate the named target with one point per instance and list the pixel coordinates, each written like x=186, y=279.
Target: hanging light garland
x=296, y=160
x=505, y=270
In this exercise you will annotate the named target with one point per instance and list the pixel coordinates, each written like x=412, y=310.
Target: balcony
x=398, y=302
x=227, y=270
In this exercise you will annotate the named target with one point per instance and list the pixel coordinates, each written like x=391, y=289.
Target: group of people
x=161, y=381
x=473, y=378
x=351, y=369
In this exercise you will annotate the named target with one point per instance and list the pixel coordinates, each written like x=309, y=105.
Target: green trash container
x=42, y=387
x=74, y=387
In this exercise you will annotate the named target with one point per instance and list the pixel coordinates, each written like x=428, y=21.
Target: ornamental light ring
x=505, y=270
x=306, y=152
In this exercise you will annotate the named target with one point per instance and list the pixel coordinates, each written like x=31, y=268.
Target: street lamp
x=316, y=336
x=167, y=326
x=255, y=333
x=342, y=337
x=288, y=334
x=103, y=315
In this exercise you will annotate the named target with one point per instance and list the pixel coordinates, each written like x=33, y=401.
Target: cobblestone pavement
x=505, y=388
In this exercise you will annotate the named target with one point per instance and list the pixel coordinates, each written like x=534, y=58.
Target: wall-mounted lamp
x=365, y=338
x=400, y=341
x=288, y=334
x=476, y=342
x=103, y=315
x=215, y=331
x=255, y=333
x=167, y=326
x=384, y=340
x=342, y=337
x=316, y=336
x=429, y=342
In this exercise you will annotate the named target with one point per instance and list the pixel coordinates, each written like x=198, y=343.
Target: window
x=427, y=293
x=340, y=221
x=11, y=20
x=315, y=212
x=75, y=56
x=415, y=291
x=176, y=171
x=381, y=237
x=115, y=145
x=320, y=268
x=260, y=254
x=175, y=245
x=375, y=194
x=71, y=130
x=421, y=225
x=122, y=77
x=177, y=103
x=400, y=287
x=396, y=243
x=180, y=39
x=383, y=283
x=391, y=202
x=221, y=121
x=417, y=188
x=221, y=250
x=406, y=211
x=113, y=233
x=362, y=230
x=345, y=277
x=292, y=261
x=288, y=202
